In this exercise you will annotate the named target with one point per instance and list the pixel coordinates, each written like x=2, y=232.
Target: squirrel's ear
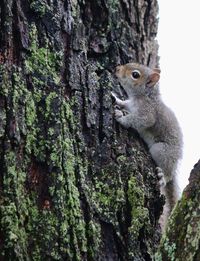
x=153, y=79
x=157, y=70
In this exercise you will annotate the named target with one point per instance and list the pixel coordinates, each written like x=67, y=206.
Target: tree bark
x=74, y=185
x=181, y=240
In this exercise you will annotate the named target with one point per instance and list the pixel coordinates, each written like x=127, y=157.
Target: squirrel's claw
x=118, y=114
x=114, y=96
x=161, y=177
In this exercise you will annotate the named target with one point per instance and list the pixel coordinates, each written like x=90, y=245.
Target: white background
x=179, y=40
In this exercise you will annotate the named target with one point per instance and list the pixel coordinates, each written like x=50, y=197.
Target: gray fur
x=155, y=123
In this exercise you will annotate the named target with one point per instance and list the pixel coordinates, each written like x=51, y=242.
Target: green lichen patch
x=58, y=197
x=94, y=239
x=13, y=209
x=29, y=225
x=182, y=236
x=108, y=193
x=40, y=7
x=139, y=214
x=42, y=63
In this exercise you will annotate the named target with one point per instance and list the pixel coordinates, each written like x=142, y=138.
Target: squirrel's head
x=137, y=78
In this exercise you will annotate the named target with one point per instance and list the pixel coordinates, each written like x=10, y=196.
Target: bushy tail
x=171, y=193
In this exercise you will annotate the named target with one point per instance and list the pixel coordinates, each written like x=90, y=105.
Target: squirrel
x=156, y=124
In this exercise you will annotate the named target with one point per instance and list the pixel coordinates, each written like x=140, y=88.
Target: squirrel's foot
x=118, y=114
x=161, y=177
x=117, y=107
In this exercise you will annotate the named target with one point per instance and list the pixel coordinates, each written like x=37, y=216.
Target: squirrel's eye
x=135, y=74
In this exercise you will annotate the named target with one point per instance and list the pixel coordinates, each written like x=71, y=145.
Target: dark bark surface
x=74, y=185
x=181, y=240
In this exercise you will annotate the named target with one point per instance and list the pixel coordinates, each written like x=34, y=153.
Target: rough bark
x=181, y=240
x=74, y=185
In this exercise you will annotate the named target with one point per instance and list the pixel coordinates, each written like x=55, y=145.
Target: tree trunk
x=74, y=185
x=181, y=240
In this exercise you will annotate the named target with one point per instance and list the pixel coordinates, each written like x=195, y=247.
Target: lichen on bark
x=74, y=185
x=182, y=235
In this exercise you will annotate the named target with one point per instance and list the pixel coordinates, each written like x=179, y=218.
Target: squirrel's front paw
x=118, y=114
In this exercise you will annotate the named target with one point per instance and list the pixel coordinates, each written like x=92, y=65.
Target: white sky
x=179, y=40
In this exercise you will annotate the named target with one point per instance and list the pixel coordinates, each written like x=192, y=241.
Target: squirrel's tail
x=171, y=193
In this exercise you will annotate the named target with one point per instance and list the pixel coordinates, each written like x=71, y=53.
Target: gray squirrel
x=154, y=121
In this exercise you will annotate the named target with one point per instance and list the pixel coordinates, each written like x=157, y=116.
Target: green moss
x=44, y=67
x=75, y=8
x=182, y=235
x=3, y=122
x=65, y=194
x=13, y=210
x=31, y=116
x=48, y=101
x=23, y=109
x=94, y=239
x=108, y=193
x=43, y=63
x=3, y=92
x=31, y=123
x=170, y=248
x=22, y=217
x=60, y=144
x=139, y=214
x=4, y=79
x=40, y=7
x=113, y=4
